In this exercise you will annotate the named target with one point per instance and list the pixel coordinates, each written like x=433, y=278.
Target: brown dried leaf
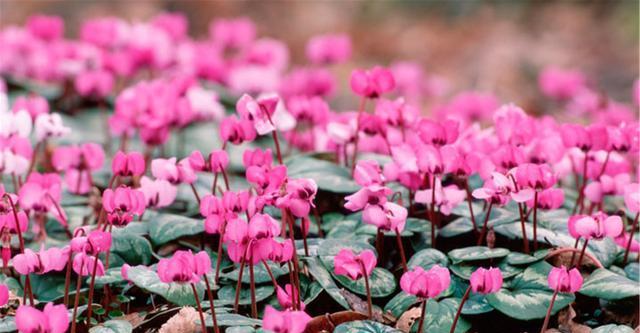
x=407, y=319
x=358, y=304
x=327, y=322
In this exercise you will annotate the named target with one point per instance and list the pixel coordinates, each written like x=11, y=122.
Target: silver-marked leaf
x=607, y=285
x=177, y=293
x=164, y=228
x=427, y=258
x=227, y=294
x=113, y=326
x=320, y=274
x=613, y=328
x=475, y=253
x=364, y=326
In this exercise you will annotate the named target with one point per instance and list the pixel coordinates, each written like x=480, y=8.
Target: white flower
x=50, y=126
x=18, y=123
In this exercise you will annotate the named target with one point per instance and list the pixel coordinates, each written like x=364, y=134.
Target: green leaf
x=320, y=273
x=364, y=326
x=227, y=294
x=381, y=282
x=48, y=288
x=260, y=273
x=475, y=303
x=111, y=276
x=132, y=248
x=517, y=258
x=313, y=291
x=8, y=324
x=464, y=270
x=427, y=258
x=475, y=253
x=439, y=317
x=164, y=228
x=633, y=271
x=459, y=226
x=613, y=328
x=400, y=303
x=610, y=286
x=528, y=295
x=240, y=329
x=177, y=293
x=331, y=247
x=113, y=326
x=232, y=319
x=329, y=176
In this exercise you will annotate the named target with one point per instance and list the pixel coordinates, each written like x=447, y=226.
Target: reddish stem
x=469, y=203
x=484, y=225
x=366, y=285
x=195, y=296
x=219, y=258
x=402, y=255
x=455, y=320
x=356, y=139
x=76, y=301
x=584, y=249
x=547, y=317
x=535, y=221
x=252, y=286
x=273, y=279
x=91, y=286
x=239, y=284
x=195, y=193
x=213, y=309
x=422, y=315
x=634, y=226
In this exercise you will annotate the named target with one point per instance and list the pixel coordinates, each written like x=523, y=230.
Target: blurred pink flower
x=565, y=281
x=52, y=319
x=329, y=49
x=561, y=84
x=128, y=164
x=486, y=281
x=372, y=83
x=354, y=265
x=284, y=321
x=158, y=193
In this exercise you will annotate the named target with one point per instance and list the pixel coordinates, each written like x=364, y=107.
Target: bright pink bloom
x=368, y=172
x=425, y=284
x=430, y=159
x=595, y=191
x=88, y=156
x=438, y=133
x=257, y=157
x=284, y=321
x=94, y=84
x=173, y=171
x=52, y=319
x=234, y=33
x=561, y=84
x=266, y=181
x=97, y=242
x=218, y=161
x=128, y=164
x=597, y=226
x=41, y=192
x=184, y=267
x=281, y=252
x=373, y=82
x=265, y=113
x=84, y=264
x=389, y=216
x=4, y=294
x=299, y=196
x=287, y=296
x=551, y=198
x=45, y=27
x=536, y=176
x=368, y=198
x=122, y=204
x=507, y=157
x=236, y=130
x=486, y=281
x=51, y=259
x=49, y=125
x=593, y=137
x=174, y=24
x=212, y=208
x=447, y=198
x=565, y=281
x=632, y=197
x=498, y=190
x=513, y=125
x=329, y=49
x=158, y=193
x=354, y=265
x=34, y=105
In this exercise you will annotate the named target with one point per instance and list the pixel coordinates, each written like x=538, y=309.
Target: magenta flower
x=158, y=193
x=94, y=83
x=328, y=49
x=257, y=157
x=234, y=33
x=45, y=27
x=265, y=113
x=372, y=83
x=426, y=284
x=561, y=84
x=354, y=265
x=4, y=294
x=565, y=281
x=236, y=130
x=594, y=137
x=266, y=181
x=632, y=197
x=217, y=162
x=51, y=259
x=34, y=105
x=597, y=226
x=447, y=198
x=184, y=267
x=281, y=252
x=486, y=281
x=513, y=125
x=368, y=172
x=128, y=164
x=438, y=133
x=41, y=193
x=507, y=157
x=84, y=265
x=122, y=204
x=172, y=171
x=88, y=156
x=287, y=297
x=536, y=176
x=368, y=198
x=430, y=159
x=551, y=198
x=284, y=321
x=52, y=319
x=299, y=196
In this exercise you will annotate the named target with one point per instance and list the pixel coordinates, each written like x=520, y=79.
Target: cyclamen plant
x=226, y=174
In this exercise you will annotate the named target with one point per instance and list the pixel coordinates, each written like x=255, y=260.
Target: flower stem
x=634, y=226
x=91, y=286
x=401, y=249
x=239, y=285
x=525, y=240
x=226, y=179
x=579, y=199
x=67, y=280
x=273, y=279
x=535, y=221
x=422, y=315
x=584, y=248
x=432, y=211
x=469, y=203
x=296, y=266
x=464, y=299
x=252, y=286
x=213, y=309
x=318, y=221
x=195, y=193
x=76, y=301
x=219, y=258
x=366, y=285
x=363, y=100
x=484, y=225
x=573, y=254
x=547, y=317
x=195, y=296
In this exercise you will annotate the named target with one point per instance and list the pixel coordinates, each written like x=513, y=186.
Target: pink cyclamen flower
x=41, y=192
x=632, y=197
x=371, y=198
x=173, y=171
x=299, y=196
x=94, y=83
x=593, y=137
x=426, y=284
x=287, y=296
x=122, y=204
x=438, y=133
x=281, y=252
x=551, y=198
x=561, y=84
x=4, y=294
x=535, y=176
x=266, y=113
x=373, y=82
x=284, y=321
x=34, y=105
x=267, y=181
x=218, y=161
x=44, y=261
x=328, y=49
x=52, y=319
x=486, y=281
x=88, y=156
x=257, y=157
x=236, y=130
x=128, y=164
x=158, y=193
x=447, y=197
x=352, y=265
x=184, y=267
x=49, y=125
x=597, y=226
x=84, y=264
x=565, y=281
x=499, y=189
x=234, y=33
x=368, y=172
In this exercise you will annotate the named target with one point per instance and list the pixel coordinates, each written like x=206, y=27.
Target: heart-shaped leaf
x=427, y=258
x=613, y=328
x=259, y=271
x=439, y=317
x=131, y=248
x=364, y=326
x=164, y=228
x=177, y=293
x=227, y=294
x=232, y=319
x=607, y=285
x=113, y=326
x=330, y=177
x=475, y=253
x=320, y=274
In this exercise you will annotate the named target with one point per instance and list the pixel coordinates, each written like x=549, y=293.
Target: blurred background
x=491, y=46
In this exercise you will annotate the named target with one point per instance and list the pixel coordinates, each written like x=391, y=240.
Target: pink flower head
x=51, y=259
x=632, y=197
x=498, y=190
x=329, y=49
x=234, y=33
x=236, y=202
x=368, y=172
x=41, y=192
x=16, y=124
x=370, y=197
x=263, y=226
x=158, y=193
x=597, y=226
x=430, y=159
x=45, y=27
x=622, y=137
x=34, y=105
x=266, y=113
x=438, y=133
x=257, y=157
x=486, y=281
x=49, y=125
x=373, y=82
x=299, y=196
x=551, y=198
x=97, y=242
x=94, y=83
x=174, y=24
x=128, y=164
x=507, y=157
x=284, y=321
x=389, y=216
x=172, y=171
x=122, y=204
x=565, y=281
x=236, y=130
x=593, y=137
x=513, y=125
x=535, y=176
x=52, y=319
x=4, y=294
x=426, y=284
x=354, y=265
x=184, y=267
x=84, y=265
x=88, y=156
x=281, y=252
x=287, y=296
x=447, y=197
x=214, y=212
x=561, y=84
x=218, y=161
x=266, y=181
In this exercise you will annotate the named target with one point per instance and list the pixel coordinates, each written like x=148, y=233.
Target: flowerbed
x=155, y=182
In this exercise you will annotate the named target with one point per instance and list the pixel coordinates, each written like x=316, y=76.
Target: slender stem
x=366, y=285
x=252, y=286
x=219, y=258
x=91, y=286
x=318, y=221
x=239, y=285
x=570, y=249
x=575, y=247
x=76, y=301
x=274, y=134
x=579, y=199
x=535, y=221
x=213, y=309
x=195, y=296
x=195, y=193
x=484, y=225
x=27, y=282
x=215, y=183
x=32, y=165
x=356, y=139
x=422, y=315
x=401, y=248
x=584, y=248
x=296, y=266
x=434, y=223
x=464, y=299
x=226, y=180
x=604, y=165
x=273, y=279
x=469, y=203
x=67, y=280
x=292, y=281
x=634, y=225
x=16, y=219
x=525, y=240
x=547, y=317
